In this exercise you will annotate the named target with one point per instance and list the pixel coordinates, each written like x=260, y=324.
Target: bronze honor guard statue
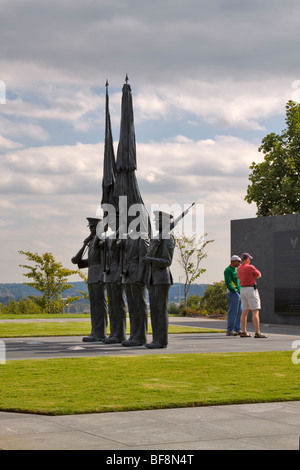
x=159, y=260
x=134, y=279
x=96, y=286
x=114, y=287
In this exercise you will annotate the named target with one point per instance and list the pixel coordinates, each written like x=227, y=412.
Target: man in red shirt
x=250, y=298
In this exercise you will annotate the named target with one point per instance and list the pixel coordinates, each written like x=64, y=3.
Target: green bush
x=22, y=307
x=173, y=308
x=193, y=302
x=193, y=307
x=214, y=299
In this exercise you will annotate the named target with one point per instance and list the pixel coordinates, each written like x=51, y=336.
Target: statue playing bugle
x=96, y=287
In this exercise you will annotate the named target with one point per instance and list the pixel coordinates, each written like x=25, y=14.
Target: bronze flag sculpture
x=127, y=261
x=133, y=246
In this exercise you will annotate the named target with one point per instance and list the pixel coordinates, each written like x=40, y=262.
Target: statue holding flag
x=128, y=262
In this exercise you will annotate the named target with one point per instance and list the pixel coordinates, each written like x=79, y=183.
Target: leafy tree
x=84, y=295
x=191, y=252
x=50, y=278
x=214, y=299
x=275, y=182
x=193, y=302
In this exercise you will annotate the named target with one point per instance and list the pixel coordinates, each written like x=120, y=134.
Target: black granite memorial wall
x=274, y=243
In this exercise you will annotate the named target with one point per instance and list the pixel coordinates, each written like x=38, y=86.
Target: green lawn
x=46, y=316
x=102, y=384
x=72, y=328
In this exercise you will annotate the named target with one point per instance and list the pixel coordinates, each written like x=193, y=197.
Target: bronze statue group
x=122, y=266
x=125, y=263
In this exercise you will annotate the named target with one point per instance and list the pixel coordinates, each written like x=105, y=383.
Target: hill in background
x=17, y=291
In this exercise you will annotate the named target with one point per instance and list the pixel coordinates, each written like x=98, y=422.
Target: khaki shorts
x=250, y=298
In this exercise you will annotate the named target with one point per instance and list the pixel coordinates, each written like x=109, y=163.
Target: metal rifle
x=164, y=232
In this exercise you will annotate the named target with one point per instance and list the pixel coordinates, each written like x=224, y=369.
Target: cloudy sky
x=209, y=81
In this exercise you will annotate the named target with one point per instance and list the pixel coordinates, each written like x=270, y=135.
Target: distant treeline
x=17, y=291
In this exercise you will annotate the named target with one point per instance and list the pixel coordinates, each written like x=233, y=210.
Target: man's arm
x=165, y=260
x=228, y=280
x=256, y=272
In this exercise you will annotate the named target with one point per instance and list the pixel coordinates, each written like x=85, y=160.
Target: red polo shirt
x=247, y=274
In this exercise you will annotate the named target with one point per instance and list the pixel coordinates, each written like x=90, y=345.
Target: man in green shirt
x=233, y=297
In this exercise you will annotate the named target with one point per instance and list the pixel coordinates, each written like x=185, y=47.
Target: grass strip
x=11, y=330
x=46, y=316
x=103, y=384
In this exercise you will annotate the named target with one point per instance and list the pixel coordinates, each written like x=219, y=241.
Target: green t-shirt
x=231, y=279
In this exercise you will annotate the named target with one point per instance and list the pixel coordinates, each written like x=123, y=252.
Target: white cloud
x=59, y=103
x=22, y=129
x=52, y=170
x=199, y=167
x=176, y=166
x=54, y=188
x=6, y=144
x=158, y=42
x=223, y=103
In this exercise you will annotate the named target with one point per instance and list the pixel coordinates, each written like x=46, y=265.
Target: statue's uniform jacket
x=96, y=288
x=134, y=277
x=159, y=271
x=115, y=290
x=95, y=262
x=134, y=269
x=159, y=279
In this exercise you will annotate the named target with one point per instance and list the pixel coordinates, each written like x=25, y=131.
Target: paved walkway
x=264, y=426
x=280, y=338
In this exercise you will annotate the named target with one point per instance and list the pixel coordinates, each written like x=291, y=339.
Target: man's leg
x=162, y=296
x=153, y=311
x=131, y=309
x=99, y=317
x=111, y=312
x=98, y=308
x=117, y=313
x=245, y=307
x=138, y=314
x=232, y=298
x=255, y=320
x=158, y=296
x=119, y=306
x=141, y=313
x=244, y=320
x=237, y=321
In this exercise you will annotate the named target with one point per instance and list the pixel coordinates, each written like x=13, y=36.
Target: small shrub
x=214, y=299
x=22, y=307
x=173, y=309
